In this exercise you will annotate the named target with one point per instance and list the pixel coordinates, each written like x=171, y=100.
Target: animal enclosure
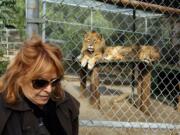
x=126, y=96
x=130, y=95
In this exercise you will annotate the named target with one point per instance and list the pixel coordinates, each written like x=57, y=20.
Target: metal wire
x=130, y=96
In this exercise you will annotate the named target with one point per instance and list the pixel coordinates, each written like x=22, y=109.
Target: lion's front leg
x=84, y=60
x=92, y=61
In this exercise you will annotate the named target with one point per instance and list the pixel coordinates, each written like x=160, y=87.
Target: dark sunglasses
x=42, y=83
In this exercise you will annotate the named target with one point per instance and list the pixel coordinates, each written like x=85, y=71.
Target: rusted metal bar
x=145, y=6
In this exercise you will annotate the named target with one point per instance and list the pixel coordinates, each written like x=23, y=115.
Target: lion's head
x=93, y=42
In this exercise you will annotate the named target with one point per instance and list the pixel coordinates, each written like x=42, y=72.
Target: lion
x=117, y=53
x=148, y=54
x=92, y=49
x=145, y=53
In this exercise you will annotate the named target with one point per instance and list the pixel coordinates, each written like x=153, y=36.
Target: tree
x=12, y=13
x=7, y=10
x=99, y=21
x=20, y=12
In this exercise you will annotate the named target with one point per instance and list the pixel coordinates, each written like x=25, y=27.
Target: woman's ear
x=20, y=82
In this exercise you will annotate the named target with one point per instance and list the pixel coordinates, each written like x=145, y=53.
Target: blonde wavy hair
x=33, y=59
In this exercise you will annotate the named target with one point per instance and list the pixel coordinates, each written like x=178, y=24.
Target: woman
x=32, y=101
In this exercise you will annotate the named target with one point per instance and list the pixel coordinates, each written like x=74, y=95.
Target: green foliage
x=67, y=24
x=69, y=36
x=98, y=20
x=7, y=10
x=73, y=23
x=20, y=16
x=12, y=12
x=3, y=65
x=1, y=52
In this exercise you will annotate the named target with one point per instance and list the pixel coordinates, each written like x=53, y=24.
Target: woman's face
x=39, y=89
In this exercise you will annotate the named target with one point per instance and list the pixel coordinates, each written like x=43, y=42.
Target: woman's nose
x=48, y=88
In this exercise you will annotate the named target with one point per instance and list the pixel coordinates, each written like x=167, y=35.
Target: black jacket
x=19, y=119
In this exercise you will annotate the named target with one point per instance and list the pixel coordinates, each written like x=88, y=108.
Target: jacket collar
x=21, y=105
x=65, y=99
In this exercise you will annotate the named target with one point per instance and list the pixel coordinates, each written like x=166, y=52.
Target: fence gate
x=137, y=94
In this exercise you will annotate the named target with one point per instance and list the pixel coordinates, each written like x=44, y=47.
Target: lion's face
x=149, y=53
x=93, y=42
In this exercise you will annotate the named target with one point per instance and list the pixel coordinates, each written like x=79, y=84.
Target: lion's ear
x=86, y=34
x=100, y=36
x=93, y=31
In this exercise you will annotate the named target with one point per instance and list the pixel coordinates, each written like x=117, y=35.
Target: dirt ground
x=123, y=111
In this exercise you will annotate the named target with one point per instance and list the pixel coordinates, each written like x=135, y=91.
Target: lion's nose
x=90, y=46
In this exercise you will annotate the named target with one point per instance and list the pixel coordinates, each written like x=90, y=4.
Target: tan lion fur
x=148, y=54
x=120, y=53
x=144, y=53
x=92, y=49
x=95, y=49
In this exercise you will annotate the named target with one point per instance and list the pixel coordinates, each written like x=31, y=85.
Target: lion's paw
x=79, y=57
x=83, y=62
x=148, y=61
x=91, y=64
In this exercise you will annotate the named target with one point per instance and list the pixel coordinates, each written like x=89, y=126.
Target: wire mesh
x=10, y=42
x=128, y=95
x=133, y=87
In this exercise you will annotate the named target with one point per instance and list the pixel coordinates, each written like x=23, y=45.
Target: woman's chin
x=42, y=101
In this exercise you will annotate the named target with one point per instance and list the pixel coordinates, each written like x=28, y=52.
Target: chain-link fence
x=10, y=42
x=133, y=88
x=129, y=95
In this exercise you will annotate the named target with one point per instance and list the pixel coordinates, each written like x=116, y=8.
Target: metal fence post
x=44, y=23
x=32, y=17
